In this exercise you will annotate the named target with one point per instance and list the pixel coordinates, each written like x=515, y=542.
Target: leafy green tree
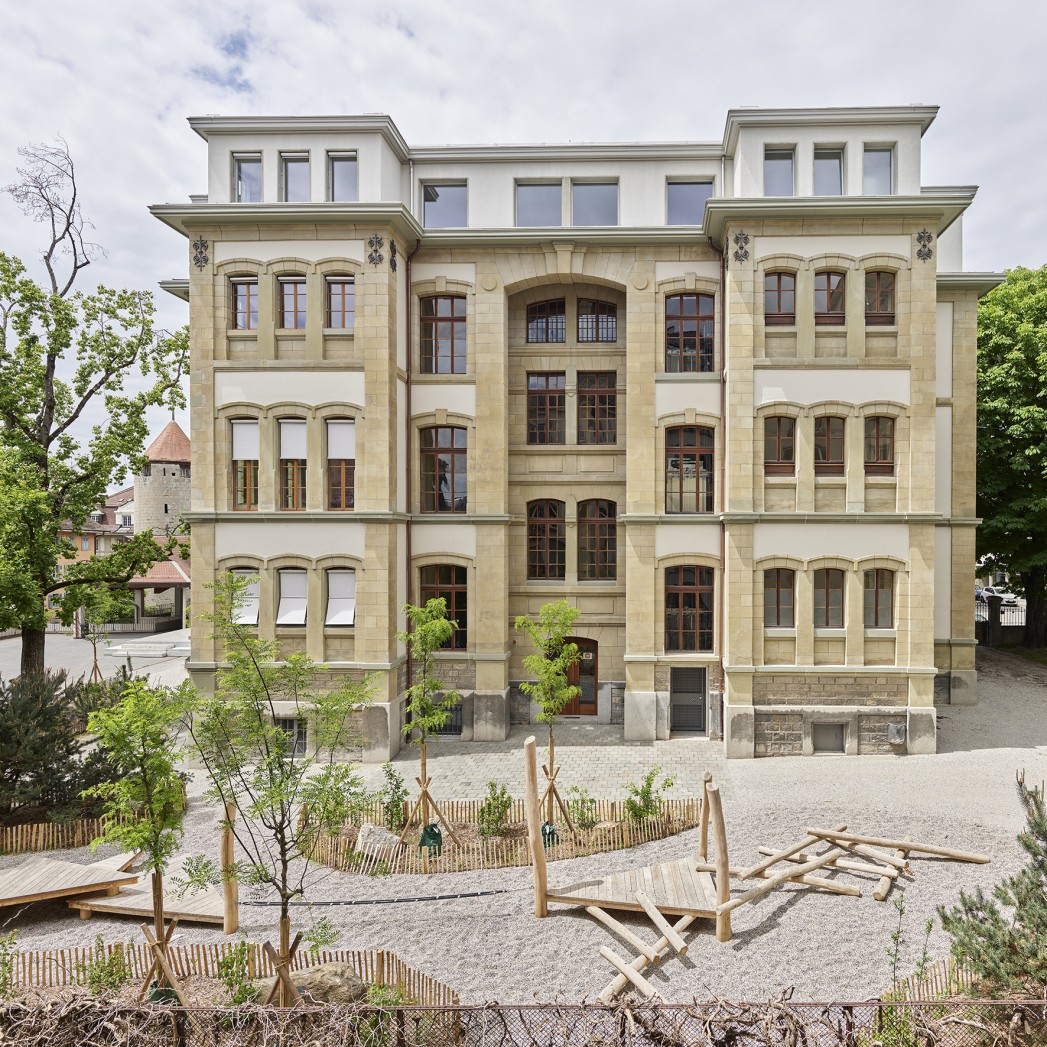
x=287, y=795
x=64, y=356
x=1012, y=439
x=429, y=702
x=144, y=805
x=97, y=607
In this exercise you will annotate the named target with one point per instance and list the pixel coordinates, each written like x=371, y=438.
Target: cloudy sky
x=117, y=78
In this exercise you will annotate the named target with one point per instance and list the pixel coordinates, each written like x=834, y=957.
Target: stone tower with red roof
x=162, y=488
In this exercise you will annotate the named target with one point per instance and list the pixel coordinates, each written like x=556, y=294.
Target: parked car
x=1009, y=599
x=979, y=594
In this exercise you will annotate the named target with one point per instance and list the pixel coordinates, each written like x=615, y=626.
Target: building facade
x=720, y=396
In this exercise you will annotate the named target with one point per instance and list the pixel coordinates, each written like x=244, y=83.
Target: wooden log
x=703, y=824
x=622, y=931
x=903, y=845
x=786, y=852
x=840, y=863
x=629, y=972
x=230, y=886
x=883, y=888
x=723, y=868
x=534, y=830
x=777, y=880
x=661, y=923
x=832, y=886
x=641, y=962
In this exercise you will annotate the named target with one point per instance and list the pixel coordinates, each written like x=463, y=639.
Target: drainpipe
x=408, y=473
x=723, y=477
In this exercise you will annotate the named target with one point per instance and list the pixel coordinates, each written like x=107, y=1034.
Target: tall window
x=539, y=204
x=877, y=164
x=450, y=582
x=597, y=321
x=341, y=303
x=879, y=599
x=779, y=446
x=292, y=304
x=779, y=299
x=247, y=179
x=443, y=335
x=245, y=464
x=689, y=322
x=246, y=611
x=341, y=464
x=828, y=446
x=830, y=298
x=547, y=321
x=293, y=583
x=689, y=609
x=597, y=540
x=828, y=599
x=341, y=597
x=778, y=600
x=685, y=202
x=342, y=179
x=444, y=206
x=597, y=407
x=294, y=177
x=443, y=450
x=292, y=464
x=546, y=409
x=245, y=304
x=689, y=469
x=778, y=172
x=546, y=540
x=828, y=172
x=879, y=446
x=879, y=299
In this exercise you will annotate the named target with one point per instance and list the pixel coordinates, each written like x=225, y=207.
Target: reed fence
x=939, y=980
x=49, y=836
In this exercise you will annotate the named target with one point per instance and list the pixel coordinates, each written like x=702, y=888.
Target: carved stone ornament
x=741, y=241
x=392, y=256
x=924, y=238
x=376, y=243
x=200, y=253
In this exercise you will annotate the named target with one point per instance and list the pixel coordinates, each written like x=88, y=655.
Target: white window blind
x=341, y=439
x=245, y=441
x=341, y=598
x=292, y=439
x=247, y=612
x=291, y=610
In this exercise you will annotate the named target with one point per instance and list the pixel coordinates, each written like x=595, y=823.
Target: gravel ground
x=826, y=946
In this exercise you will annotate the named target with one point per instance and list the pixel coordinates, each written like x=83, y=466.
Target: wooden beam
x=622, y=931
x=840, y=863
x=534, y=830
x=723, y=869
x=703, y=819
x=778, y=856
x=641, y=962
x=661, y=923
x=883, y=887
x=903, y=845
x=627, y=971
x=230, y=886
x=775, y=881
x=832, y=886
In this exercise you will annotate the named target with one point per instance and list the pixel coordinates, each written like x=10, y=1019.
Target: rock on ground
x=325, y=983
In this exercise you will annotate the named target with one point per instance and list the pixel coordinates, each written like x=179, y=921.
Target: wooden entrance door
x=584, y=675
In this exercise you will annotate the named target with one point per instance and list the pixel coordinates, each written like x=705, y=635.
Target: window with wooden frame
x=597, y=540
x=547, y=321
x=449, y=582
x=779, y=584
x=689, y=328
x=879, y=299
x=293, y=457
x=830, y=298
x=442, y=330
x=546, y=540
x=597, y=321
x=779, y=299
x=878, y=599
x=341, y=303
x=244, y=293
x=689, y=609
x=689, y=451
x=546, y=409
x=292, y=303
x=828, y=598
x=879, y=446
x=245, y=463
x=779, y=446
x=828, y=446
x=341, y=464
x=597, y=407
x=443, y=472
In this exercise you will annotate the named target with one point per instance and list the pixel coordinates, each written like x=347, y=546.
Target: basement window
x=828, y=737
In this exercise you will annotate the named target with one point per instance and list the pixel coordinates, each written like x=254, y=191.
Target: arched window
x=828, y=598
x=546, y=540
x=879, y=299
x=293, y=587
x=597, y=540
x=828, y=446
x=443, y=334
x=779, y=446
x=879, y=446
x=779, y=299
x=245, y=463
x=443, y=483
x=879, y=599
x=246, y=611
x=293, y=458
x=778, y=599
x=689, y=609
x=597, y=321
x=547, y=321
x=830, y=298
x=689, y=469
x=449, y=582
x=689, y=325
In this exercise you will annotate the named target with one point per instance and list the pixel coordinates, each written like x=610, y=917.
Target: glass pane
x=249, y=181
x=778, y=172
x=685, y=202
x=828, y=172
x=594, y=203
x=444, y=206
x=296, y=179
x=343, y=179
x=539, y=205
x=876, y=172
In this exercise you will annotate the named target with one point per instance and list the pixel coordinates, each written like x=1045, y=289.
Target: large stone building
x=718, y=395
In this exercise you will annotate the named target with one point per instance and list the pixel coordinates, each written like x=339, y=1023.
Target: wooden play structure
x=692, y=888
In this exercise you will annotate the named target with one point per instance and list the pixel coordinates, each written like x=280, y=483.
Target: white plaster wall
x=311, y=250
x=276, y=538
x=943, y=350
x=950, y=248
x=675, y=397
x=676, y=270
x=305, y=387
x=812, y=386
x=430, y=538
x=942, y=583
x=811, y=539
x=943, y=460
x=465, y=271
x=677, y=539
x=808, y=246
x=455, y=397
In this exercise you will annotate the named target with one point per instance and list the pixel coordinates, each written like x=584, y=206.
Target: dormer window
x=294, y=177
x=877, y=171
x=778, y=172
x=247, y=178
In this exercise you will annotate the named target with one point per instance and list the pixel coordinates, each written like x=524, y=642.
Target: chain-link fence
x=780, y=1023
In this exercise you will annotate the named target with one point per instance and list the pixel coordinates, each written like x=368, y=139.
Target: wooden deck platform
x=138, y=902
x=40, y=879
x=674, y=887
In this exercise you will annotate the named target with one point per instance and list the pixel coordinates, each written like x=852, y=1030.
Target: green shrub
x=392, y=795
x=234, y=972
x=493, y=812
x=645, y=800
x=8, y=954
x=104, y=972
x=581, y=807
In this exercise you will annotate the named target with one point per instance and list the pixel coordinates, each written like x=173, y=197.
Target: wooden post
x=883, y=885
x=550, y=773
x=703, y=826
x=723, y=868
x=776, y=880
x=900, y=845
x=534, y=829
x=230, y=886
x=425, y=792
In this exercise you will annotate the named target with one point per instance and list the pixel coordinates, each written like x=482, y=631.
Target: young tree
x=550, y=665
x=63, y=357
x=144, y=805
x=429, y=702
x=1012, y=439
x=287, y=794
x=97, y=607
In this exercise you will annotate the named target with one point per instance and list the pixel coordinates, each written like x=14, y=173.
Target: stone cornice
x=980, y=283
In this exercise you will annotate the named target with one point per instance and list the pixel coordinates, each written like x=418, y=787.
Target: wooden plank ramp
x=41, y=879
x=205, y=907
